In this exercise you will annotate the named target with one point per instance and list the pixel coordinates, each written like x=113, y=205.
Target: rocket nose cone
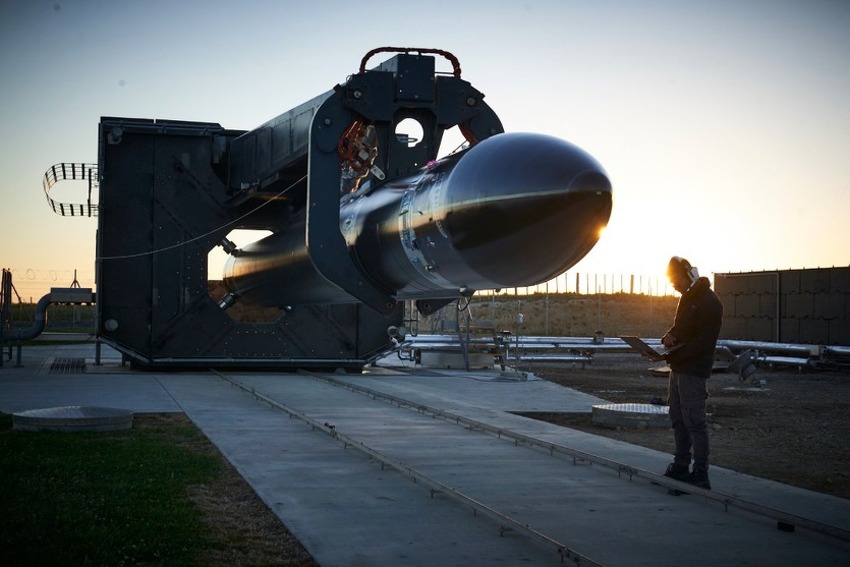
x=532, y=207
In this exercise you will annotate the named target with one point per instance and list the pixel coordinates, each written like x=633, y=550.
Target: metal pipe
x=35, y=328
x=56, y=295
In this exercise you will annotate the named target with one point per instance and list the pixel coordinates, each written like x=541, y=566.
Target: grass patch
x=104, y=498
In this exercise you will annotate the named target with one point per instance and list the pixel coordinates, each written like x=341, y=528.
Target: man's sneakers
x=677, y=472
x=698, y=478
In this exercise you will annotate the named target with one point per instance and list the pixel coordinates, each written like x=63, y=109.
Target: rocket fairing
x=513, y=210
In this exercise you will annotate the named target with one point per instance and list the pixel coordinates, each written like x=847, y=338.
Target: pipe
x=33, y=330
x=56, y=295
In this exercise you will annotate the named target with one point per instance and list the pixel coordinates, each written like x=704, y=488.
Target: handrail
x=72, y=171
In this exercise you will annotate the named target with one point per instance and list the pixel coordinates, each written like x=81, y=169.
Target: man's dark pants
x=686, y=396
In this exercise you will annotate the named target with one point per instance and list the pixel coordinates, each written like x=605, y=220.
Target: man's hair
x=679, y=266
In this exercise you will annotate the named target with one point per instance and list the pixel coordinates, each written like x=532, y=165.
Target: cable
x=179, y=244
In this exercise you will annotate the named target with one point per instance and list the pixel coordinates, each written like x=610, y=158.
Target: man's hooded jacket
x=696, y=326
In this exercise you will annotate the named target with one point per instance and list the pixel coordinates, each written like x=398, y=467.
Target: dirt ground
x=791, y=426
x=247, y=531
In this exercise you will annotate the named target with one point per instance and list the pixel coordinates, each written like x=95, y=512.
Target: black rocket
x=513, y=210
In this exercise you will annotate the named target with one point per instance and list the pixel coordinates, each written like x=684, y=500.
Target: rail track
x=504, y=517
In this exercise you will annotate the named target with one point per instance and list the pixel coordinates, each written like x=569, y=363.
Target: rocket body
x=513, y=210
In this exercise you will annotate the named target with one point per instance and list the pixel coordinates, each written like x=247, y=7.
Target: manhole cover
x=73, y=418
x=631, y=416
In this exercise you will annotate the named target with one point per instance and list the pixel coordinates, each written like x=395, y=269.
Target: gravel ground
x=788, y=425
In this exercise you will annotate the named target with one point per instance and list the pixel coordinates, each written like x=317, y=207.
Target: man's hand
x=669, y=340
x=653, y=358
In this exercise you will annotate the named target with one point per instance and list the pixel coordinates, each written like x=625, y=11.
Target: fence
x=32, y=283
x=588, y=283
x=561, y=314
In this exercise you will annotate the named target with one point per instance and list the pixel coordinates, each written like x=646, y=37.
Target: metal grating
x=68, y=366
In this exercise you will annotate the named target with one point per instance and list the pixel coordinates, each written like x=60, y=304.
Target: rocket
x=515, y=209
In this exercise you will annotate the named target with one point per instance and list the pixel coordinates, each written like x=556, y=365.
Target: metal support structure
x=363, y=218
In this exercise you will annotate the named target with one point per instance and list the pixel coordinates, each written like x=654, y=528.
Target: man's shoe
x=677, y=472
x=699, y=478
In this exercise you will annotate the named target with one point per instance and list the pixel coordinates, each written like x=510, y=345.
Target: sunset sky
x=724, y=126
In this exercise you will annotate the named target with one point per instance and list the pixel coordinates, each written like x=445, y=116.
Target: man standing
x=695, y=330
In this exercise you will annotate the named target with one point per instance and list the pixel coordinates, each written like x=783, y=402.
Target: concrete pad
x=582, y=505
x=343, y=506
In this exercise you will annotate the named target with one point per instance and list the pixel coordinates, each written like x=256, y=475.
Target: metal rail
x=582, y=349
x=72, y=171
x=785, y=520
x=506, y=522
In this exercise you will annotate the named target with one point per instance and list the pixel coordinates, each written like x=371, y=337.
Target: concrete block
x=767, y=305
x=839, y=332
x=799, y=305
x=829, y=305
x=747, y=305
x=728, y=302
x=760, y=329
x=726, y=284
x=814, y=331
x=839, y=280
x=763, y=283
x=790, y=281
x=789, y=330
x=815, y=281
x=733, y=328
